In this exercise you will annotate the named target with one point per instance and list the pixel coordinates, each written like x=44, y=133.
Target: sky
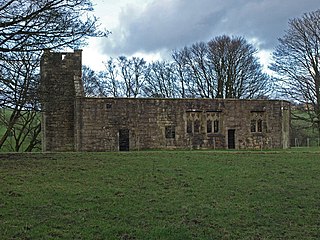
x=153, y=28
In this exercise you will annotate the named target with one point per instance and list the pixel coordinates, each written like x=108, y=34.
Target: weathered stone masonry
x=72, y=122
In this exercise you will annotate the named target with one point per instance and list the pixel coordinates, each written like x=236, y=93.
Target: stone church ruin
x=73, y=122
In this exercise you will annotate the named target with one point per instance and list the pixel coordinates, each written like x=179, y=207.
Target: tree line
x=224, y=67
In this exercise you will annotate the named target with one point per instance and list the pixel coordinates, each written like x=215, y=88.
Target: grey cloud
x=170, y=24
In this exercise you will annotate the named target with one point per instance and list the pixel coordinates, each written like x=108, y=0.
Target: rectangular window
x=256, y=125
x=216, y=126
x=196, y=126
x=253, y=126
x=170, y=132
x=259, y=126
x=189, y=126
x=209, y=126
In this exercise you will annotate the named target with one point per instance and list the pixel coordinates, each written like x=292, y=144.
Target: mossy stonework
x=73, y=122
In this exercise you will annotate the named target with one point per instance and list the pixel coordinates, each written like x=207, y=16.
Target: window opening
x=259, y=125
x=170, y=132
x=253, y=126
x=216, y=126
x=189, y=126
x=197, y=126
x=256, y=125
x=209, y=126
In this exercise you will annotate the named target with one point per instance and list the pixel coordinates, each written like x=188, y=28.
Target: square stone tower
x=60, y=85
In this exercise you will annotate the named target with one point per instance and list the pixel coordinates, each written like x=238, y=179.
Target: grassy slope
x=10, y=142
x=160, y=195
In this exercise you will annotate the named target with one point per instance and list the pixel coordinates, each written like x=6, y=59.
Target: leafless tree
x=184, y=76
x=25, y=135
x=297, y=63
x=28, y=25
x=92, y=83
x=122, y=77
x=131, y=71
x=194, y=62
x=19, y=79
x=222, y=68
x=238, y=72
x=111, y=76
x=160, y=80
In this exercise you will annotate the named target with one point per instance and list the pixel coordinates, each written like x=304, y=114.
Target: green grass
x=10, y=143
x=303, y=130
x=161, y=195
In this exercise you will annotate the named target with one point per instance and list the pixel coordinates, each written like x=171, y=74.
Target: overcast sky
x=153, y=28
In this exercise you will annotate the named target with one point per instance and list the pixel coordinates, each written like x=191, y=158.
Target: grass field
x=161, y=195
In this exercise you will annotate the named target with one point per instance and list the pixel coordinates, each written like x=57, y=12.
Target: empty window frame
x=209, y=126
x=189, y=126
x=170, y=132
x=256, y=125
x=259, y=125
x=213, y=123
x=196, y=126
x=193, y=124
x=216, y=126
x=253, y=126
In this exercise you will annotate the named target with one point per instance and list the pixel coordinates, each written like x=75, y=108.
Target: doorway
x=231, y=139
x=124, y=140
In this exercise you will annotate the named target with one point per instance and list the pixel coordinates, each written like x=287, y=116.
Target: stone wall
x=72, y=122
x=181, y=123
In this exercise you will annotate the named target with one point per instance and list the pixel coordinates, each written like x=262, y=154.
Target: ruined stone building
x=72, y=122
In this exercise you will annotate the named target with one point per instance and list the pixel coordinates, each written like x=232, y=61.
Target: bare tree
x=296, y=61
x=178, y=65
x=160, y=80
x=194, y=62
x=111, y=77
x=19, y=79
x=223, y=68
x=131, y=73
x=28, y=25
x=25, y=135
x=92, y=83
x=122, y=77
x=238, y=72
x=138, y=67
